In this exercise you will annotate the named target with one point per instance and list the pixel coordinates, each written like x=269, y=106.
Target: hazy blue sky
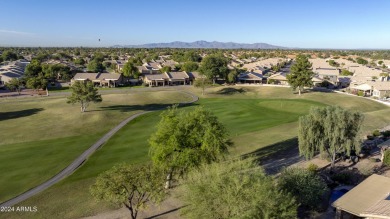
x=290, y=23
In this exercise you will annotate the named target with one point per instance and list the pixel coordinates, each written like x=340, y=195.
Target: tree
x=130, y=70
x=190, y=66
x=9, y=56
x=202, y=83
x=166, y=69
x=79, y=61
x=307, y=187
x=235, y=189
x=130, y=185
x=213, y=66
x=84, y=93
x=36, y=83
x=345, y=72
x=232, y=76
x=33, y=69
x=184, y=140
x=56, y=71
x=15, y=84
x=192, y=56
x=329, y=130
x=301, y=74
x=361, y=61
x=333, y=63
x=95, y=66
x=276, y=68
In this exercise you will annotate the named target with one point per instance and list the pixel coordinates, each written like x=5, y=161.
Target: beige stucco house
x=370, y=199
x=100, y=79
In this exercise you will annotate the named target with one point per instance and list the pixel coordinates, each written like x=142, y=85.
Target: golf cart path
x=83, y=157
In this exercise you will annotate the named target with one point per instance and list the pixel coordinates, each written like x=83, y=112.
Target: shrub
x=307, y=187
x=370, y=137
x=376, y=133
x=365, y=170
x=360, y=93
x=386, y=158
x=312, y=168
x=386, y=133
x=237, y=189
x=272, y=81
x=343, y=178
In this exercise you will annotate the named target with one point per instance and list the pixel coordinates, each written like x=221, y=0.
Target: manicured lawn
x=254, y=118
x=25, y=165
x=32, y=119
x=41, y=136
x=240, y=116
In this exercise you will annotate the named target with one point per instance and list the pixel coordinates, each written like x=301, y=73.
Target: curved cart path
x=82, y=158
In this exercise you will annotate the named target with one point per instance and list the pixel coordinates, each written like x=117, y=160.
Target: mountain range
x=204, y=45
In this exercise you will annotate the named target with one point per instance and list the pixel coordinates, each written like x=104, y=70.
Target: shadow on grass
x=275, y=157
x=19, y=114
x=231, y=91
x=320, y=90
x=127, y=108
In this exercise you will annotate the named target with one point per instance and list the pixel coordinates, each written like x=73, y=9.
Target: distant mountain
x=204, y=44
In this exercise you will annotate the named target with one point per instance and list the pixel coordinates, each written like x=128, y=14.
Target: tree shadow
x=19, y=114
x=320, y=90
x=230, y=91
x=166, y=212
x=146, y=107
x=277, y=156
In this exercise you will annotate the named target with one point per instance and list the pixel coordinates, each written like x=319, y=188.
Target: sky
x=337, y=24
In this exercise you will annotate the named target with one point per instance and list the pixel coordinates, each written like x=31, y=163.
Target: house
x=317, y=81
x=260, y=70
x=100, y=79
x=369, y=199
x=329, y=74
x=156, y=79
x=379, y=89
x=278, y=78
x=250, y=78
x=170, y=63
x=195, y=76
x=12, y=70
x=119, y=65
x=168, y=78
x=150, y=68
x=178, y=78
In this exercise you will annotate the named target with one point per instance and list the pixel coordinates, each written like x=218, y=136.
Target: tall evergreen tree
x=301, y=74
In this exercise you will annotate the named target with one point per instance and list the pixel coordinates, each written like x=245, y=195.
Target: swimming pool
x=336, y=194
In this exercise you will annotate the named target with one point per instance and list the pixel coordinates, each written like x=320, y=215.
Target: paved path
x=81, y=159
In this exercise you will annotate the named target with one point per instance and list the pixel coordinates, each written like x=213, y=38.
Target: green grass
x=130, y=145
x=32, y=119
x=41, y=136
x=254, y=118
x=27, y=165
